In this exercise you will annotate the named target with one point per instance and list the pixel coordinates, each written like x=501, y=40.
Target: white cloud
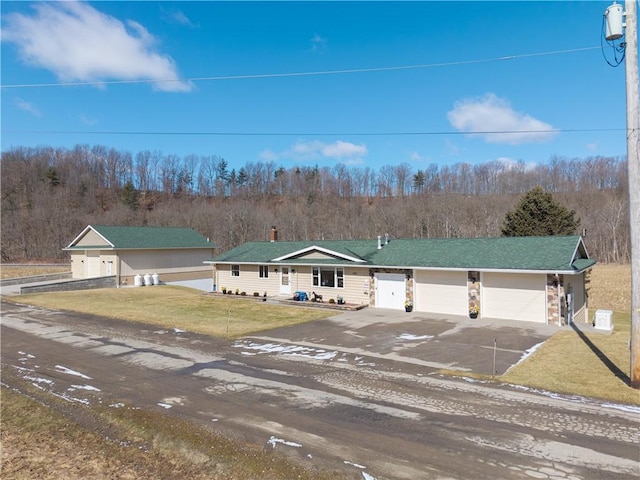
x=28, y=107
x=268, y=155
x=346, y=152
x=87, y=120
x=493, y=117
x=79, y=43
x=342, y=149
x=318, y=44
x=176, y=16
x=511, y=164
x=415, y=156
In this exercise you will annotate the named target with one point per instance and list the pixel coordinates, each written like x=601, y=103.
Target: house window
x=264, y=271
x=235, y=270
x=328, y=277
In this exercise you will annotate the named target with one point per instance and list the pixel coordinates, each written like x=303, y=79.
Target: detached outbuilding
x=536, y=279
x=171, y=252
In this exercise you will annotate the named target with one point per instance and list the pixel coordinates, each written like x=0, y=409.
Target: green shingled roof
x=497, y=253
x=148, y=237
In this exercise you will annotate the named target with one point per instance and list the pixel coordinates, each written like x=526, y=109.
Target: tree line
x=50, y=194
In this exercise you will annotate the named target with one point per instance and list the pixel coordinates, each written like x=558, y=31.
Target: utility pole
x=633, y=165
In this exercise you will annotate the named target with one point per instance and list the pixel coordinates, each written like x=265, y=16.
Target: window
x=328, y=277
x=264, y=271
x=235, y=270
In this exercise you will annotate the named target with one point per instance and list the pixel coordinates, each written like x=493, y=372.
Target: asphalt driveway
x=419, y=339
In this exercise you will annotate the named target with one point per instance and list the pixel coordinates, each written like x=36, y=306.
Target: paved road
x=369, y=416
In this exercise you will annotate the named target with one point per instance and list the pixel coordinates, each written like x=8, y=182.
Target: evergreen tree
x=537, y=214
x=52, y=178
x=130, y=196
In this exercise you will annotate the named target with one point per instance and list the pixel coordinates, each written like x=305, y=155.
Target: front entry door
x=285, y=281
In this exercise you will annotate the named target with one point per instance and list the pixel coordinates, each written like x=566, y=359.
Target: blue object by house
x=300, y=296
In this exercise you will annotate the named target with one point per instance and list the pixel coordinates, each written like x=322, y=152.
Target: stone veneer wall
x=555, y=301
x=407, y=282
x=473, y=286
x=81, y=284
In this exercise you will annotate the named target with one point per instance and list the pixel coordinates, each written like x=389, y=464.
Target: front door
x=285, y=281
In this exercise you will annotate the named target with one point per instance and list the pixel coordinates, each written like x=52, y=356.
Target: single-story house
x=170, y=252
x=537, y=279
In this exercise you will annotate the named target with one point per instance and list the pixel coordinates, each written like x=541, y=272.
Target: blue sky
x=217, y=78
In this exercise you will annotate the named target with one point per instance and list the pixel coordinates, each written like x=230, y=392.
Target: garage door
x=514, y=296
x=92, y=264
x=442, y=292
x=390, y=290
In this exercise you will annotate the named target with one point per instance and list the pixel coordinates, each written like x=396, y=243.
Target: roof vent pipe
x=379, y=242
x=273, y=234
x=386, y=239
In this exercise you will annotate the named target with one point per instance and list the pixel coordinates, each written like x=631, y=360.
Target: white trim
x=83, y=233
x=319, y=249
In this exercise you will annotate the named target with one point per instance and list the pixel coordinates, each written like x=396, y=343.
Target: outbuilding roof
x=125, y=238
x=552, y=254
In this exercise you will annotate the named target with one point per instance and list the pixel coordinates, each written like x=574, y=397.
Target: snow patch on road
x=290, y=350
x=411, y=337
x=68, y=371
x=273, y=440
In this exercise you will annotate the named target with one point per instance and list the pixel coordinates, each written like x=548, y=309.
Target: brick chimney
x=273, y=234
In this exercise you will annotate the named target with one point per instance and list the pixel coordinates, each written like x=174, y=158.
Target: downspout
x=559, y=300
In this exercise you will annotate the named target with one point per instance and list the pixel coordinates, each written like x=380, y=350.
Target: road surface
x=337, y=410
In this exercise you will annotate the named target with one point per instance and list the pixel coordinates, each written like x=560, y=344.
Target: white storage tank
x=137, y=281
x=148, y=280
x=155, y=278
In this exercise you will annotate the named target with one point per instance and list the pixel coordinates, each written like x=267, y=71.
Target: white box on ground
x=603, y=320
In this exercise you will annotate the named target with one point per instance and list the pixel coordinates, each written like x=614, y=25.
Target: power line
x=302, y=74
x=315, y=134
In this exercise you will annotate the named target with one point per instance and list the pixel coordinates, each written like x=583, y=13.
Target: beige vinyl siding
x=575, y=284
x=315, y=255
x=164, y=261
x=354, y=290
x=356, y=282
x=248, y=281
x=92, y=239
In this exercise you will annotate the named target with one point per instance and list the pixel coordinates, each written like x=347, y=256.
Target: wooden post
x=633, y=165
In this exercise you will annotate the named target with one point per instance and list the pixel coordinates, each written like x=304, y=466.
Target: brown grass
x=18, y=271
x=610, y=287
x=590, y=364
x=179, y=307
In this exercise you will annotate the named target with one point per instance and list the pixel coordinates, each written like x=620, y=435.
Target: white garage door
x=92, y=264
x=442, y=292
x=514, y=296
x=390, y=291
